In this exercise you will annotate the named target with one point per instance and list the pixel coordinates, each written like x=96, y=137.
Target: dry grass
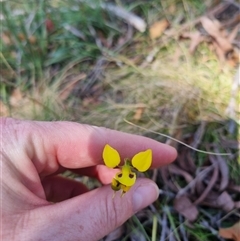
x=172, y=92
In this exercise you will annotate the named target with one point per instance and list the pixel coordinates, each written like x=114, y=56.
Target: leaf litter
x=192, y=188
x=157, y=28
x=221, y=34
x=231, y=232
x=213, y=190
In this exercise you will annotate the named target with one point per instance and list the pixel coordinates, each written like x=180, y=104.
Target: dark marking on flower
x=131, y=175
x=120, y=175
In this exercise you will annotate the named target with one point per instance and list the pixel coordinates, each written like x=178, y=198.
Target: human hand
x=33, y=153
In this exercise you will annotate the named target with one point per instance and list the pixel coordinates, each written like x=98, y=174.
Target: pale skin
x=37, y=204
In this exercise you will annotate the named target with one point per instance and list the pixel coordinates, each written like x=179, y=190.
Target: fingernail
x=144, y=195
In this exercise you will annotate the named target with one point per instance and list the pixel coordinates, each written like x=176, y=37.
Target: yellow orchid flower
x=126, y=178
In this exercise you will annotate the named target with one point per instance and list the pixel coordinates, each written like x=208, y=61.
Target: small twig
x=161, y=134
x=233, y=212
x=178, y=171
x=129, y=17
x=76, y=32
x=224, y=170
x=198, y=135
x=199, y=176
x=122, y=13
x=93, y=77
x=182, y=229
x=168, y=194
x=162, y=222
x=218, y=9
x=173, y=233
x=165, y=177
x=211, y=183
x=206, y=213
x=129, y=37
x=164, y=227
x=206, y=225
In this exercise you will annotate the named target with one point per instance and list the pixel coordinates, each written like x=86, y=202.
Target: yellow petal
x=116, y=185
x=143, y=160
x=124, y=190
x=126, y=177
x=111, y=157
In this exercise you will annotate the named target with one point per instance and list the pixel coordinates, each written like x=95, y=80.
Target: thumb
x=93, y=215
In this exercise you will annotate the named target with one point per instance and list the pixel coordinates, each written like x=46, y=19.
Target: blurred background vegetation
x=169, y=67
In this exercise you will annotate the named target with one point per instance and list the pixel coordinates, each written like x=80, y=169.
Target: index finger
x=72, y=145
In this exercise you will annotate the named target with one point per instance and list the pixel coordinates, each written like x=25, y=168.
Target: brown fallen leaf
x=210, y=185
x=223, y=201
x=196, y=39
x=186, y=208
x=138, y=113
x=185, y=161
x=213, y=28
x=231, y=233
x=178, y=171
x=199, y=187
x=157, y=29
x=167, y=181
x=224, y=171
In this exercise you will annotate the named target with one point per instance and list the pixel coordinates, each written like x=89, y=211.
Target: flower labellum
x=126, y=178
